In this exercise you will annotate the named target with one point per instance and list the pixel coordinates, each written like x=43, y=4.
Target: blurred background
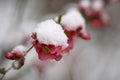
x=97, y=59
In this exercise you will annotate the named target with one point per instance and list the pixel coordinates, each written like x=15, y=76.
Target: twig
x=59, y=19
x=28, y=50
x=6, y=72
x=11, y=67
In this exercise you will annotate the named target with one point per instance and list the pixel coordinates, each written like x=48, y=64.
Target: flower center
x=45, y=49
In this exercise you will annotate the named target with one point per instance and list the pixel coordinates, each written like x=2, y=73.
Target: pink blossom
x=96, y=23
x=14, y=55
x=46, y=52
x=84, y=36
x=94, y=13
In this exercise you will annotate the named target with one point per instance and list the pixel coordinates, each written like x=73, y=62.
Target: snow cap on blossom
x=72, y=20
x=102, y=20
x=16, y=53
x=84, y=4
x=49, y=32
x=19, y=48
x=97, y=5
x=49, y=40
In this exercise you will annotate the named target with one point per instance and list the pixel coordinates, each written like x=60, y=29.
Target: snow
x=72, y=20
x=85, y=3
x=97, y=4
x=20, y=48
x=49, y=32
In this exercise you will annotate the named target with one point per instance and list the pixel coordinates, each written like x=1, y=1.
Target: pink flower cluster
x=51, y=49
x=72, y=34
x=73, y=25
x=53, y=38
x=46, y=51
x=14, y=55
x=93, y=11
